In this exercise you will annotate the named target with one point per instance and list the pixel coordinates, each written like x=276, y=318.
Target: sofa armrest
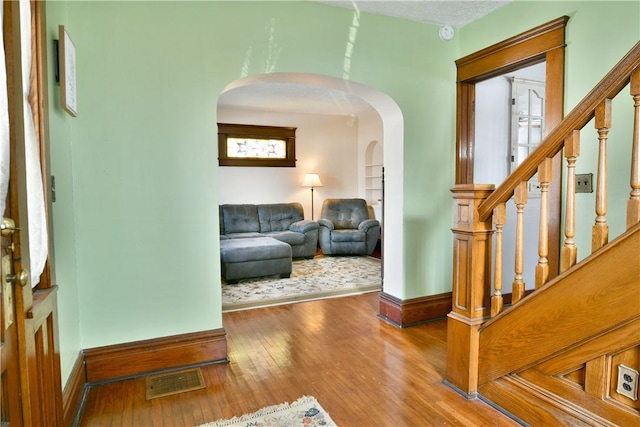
x=325, y=223
x=368, y=224
x=303, y=226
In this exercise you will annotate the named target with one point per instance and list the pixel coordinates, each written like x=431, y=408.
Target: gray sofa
x=346, y=229
x=281, y=221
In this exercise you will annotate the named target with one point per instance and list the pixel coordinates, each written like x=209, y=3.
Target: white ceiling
x=456, y=13
x=288, y=97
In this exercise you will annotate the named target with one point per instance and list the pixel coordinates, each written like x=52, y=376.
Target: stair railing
x=480, y=208
x=597, y=104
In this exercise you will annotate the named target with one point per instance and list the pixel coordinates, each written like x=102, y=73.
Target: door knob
x=21, y=278
x=8, y=227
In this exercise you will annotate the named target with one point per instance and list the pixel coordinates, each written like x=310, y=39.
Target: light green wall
x=64, y=218
x=136, y=218
x=140, y=159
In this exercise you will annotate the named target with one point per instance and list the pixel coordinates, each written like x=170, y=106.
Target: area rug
x=305, y=411
x=320, y=277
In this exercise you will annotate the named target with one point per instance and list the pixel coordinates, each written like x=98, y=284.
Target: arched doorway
x=392, y=138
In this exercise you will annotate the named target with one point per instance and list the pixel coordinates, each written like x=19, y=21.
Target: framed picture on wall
x=67, y=63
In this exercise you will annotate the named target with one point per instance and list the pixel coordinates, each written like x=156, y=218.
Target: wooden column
x=600, y=233
x=569, y=252
x=518, y=286
x=542, y=268
x=499, y=219
x=471, y=285
x=633, y=204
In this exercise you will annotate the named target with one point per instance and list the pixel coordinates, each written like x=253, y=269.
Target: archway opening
x=359, y=102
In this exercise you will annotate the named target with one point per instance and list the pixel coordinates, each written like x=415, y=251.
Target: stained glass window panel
x=252, y=148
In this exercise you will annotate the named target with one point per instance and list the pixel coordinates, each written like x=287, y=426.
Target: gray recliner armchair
x=346, y=229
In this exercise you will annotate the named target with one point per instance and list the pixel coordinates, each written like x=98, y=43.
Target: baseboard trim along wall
x=120, y=361
x=136, y=358
x=73, y=392
x=404, y=313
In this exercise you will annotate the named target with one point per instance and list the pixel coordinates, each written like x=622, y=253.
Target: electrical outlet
x=584, y=183
x=627, y=382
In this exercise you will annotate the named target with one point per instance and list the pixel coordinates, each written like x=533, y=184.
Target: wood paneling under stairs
x=554, y=358
x=362, y=370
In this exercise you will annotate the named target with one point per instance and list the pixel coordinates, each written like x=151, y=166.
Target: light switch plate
x=584, y=183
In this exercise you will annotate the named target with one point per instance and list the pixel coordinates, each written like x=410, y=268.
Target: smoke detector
x=446, y=32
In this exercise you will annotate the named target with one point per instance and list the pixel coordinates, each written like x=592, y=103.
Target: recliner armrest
x=303, y=226
x=326, y=223
x=367, y=224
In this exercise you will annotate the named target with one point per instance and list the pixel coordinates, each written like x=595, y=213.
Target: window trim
x=226, y=130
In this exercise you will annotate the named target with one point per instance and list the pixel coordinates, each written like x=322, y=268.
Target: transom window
x=250, y=145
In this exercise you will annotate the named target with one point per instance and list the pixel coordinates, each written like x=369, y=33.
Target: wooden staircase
x=552, y=357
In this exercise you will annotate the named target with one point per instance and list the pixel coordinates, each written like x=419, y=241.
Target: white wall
x=325, y=144
x=491, y=166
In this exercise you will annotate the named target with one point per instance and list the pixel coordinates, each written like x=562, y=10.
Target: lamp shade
x=311, y=180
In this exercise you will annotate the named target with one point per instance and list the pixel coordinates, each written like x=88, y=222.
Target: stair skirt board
x=523, y=400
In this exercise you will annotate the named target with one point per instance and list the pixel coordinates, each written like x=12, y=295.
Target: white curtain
x=4, y=125
x=38, y=238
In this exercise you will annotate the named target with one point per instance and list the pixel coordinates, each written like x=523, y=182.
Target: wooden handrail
x=607, y=88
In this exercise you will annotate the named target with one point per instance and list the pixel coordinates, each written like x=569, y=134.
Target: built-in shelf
x=373, y=177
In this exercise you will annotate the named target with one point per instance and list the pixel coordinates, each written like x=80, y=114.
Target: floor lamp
x=311, y=180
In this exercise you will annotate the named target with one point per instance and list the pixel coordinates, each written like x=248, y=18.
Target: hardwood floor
x=362, y=370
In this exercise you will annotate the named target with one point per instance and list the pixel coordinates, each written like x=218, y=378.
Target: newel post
x=471, y=285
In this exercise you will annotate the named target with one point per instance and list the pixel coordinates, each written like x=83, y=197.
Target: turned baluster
x=520, y=197
x=569, y=252
x=633, y=204
x=542, y=268
x=600, y=233
x=499, y=219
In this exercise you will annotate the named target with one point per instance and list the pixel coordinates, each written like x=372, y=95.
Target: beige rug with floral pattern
x=304, y=412
x=320, y=277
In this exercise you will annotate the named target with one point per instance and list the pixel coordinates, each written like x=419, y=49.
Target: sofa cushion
x=290, y=237
x=243, y=235
x=345, y=213
x=239, y=219
x=279, y=216
x=348, y=236
x=261, y=248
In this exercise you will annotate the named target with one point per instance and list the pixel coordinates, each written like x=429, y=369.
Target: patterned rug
x=320, y=277
x=305, y=411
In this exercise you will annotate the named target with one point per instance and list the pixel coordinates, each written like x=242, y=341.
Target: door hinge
x=53, y=188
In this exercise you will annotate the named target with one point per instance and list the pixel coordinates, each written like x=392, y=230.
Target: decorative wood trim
x=588, y=315
x=136, y=358
x=527, y=402
x=404, y=313
x=532, y=45
x=73, y=392
x=543, y=43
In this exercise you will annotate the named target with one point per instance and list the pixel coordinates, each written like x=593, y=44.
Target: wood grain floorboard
x=362, y=370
